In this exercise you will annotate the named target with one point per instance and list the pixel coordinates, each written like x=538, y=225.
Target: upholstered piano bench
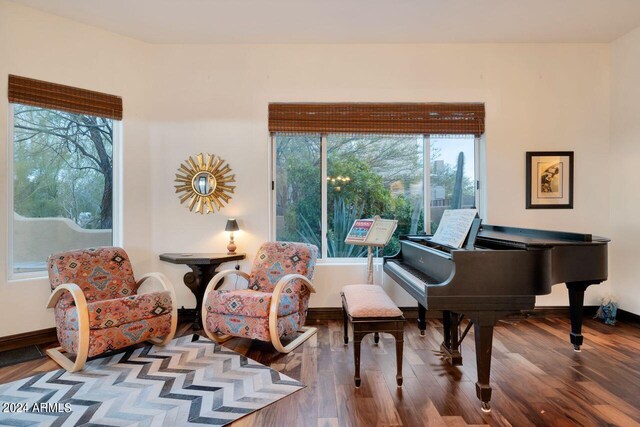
x=370, y=310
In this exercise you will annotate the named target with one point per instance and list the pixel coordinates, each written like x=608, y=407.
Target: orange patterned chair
x=100, y=307
x=275, y=303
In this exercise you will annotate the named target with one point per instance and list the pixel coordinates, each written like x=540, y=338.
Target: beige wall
x=181, y=100
x=623, y=170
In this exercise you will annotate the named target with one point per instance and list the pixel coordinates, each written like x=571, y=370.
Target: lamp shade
x=232, y=225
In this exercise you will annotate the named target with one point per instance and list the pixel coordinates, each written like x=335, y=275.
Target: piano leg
x=451, y=343
x=576, y=303
x=483, y=323
x=422, y=322
x=446, y=328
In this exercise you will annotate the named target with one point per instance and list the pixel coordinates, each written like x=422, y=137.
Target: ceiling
x=354, y=21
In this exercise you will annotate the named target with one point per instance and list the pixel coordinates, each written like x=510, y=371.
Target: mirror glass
x=204, y=183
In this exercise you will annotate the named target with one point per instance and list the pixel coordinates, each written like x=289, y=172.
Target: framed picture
x=550, y=180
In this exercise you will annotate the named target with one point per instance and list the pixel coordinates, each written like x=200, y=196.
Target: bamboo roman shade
x=388, y=118
x=38, y=93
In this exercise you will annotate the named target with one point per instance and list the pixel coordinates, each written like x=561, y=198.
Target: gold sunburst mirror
x=205, y=183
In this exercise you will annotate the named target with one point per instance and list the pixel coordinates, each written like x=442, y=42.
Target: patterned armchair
x=275, y=303
x=100, y=307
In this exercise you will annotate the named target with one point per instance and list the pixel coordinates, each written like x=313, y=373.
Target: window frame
x=116, y=230
x=426, y=188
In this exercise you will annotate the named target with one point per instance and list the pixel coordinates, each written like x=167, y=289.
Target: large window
x=62, y=193
x=324, y=182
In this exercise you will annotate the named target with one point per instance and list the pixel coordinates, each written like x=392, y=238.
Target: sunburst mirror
x=205, y=183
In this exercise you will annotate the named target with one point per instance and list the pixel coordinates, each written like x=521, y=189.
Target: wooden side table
x=203, y=268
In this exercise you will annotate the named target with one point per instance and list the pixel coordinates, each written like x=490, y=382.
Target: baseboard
x=42, y=336
x=335, y=313
x=627, y=316
x=557, y=311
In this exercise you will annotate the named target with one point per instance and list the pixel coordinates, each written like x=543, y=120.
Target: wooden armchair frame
x=306, y=331
x=58, y=354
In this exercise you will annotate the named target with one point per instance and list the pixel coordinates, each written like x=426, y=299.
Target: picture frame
x=549, y=179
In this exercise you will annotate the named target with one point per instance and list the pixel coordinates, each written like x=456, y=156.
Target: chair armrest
x=164, y=281
x=168, y=286
x=212, y=285
x=75, y=291
x=275, y=304
x=83, y=323
x=277, y=292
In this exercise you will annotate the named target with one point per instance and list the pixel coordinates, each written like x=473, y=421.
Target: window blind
x=38, y=93
x=388, y=118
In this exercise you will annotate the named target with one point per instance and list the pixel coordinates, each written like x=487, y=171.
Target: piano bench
x=370, y=310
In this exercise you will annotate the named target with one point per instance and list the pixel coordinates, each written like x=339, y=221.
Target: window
x=324, y=182
x=61, y=160
x=62, y=193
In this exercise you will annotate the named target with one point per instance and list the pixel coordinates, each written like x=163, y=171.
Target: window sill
x=347, y=261
x=27, y=277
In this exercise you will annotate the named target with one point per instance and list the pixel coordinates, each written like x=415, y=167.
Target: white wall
x=42, y=46
x=623, y=170
x=182, y=100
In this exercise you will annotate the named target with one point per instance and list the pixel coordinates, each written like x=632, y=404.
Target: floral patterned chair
x=100, y=307
x=275, y=303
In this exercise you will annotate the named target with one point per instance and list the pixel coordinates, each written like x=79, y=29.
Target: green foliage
x=298, y=196
x=372, y=166
x=63, y=166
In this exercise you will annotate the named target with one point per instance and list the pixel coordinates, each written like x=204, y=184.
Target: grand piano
x=496, y=273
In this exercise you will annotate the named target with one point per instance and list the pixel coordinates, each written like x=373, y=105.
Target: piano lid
x=533, y=238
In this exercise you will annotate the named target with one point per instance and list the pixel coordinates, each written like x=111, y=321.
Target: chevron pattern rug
x=189, y=382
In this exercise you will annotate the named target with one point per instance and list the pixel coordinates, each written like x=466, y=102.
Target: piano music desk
x=370, y=311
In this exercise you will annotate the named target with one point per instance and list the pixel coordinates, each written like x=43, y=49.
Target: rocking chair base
x=58, y=355
x=307, y=332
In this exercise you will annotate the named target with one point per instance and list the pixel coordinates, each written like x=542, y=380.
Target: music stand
x=375, y=232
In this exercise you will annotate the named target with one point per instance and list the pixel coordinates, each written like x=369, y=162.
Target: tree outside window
x=62, y=184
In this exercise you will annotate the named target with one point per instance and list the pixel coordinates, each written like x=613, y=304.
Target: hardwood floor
x=536, y=377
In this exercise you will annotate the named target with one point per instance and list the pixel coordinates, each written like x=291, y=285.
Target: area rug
x=191, y=381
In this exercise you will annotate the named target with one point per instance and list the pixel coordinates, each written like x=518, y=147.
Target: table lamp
x=232, y=225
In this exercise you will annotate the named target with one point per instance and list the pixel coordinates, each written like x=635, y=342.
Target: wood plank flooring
x=537, y=378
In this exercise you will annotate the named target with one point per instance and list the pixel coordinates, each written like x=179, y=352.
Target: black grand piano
x=495, y=274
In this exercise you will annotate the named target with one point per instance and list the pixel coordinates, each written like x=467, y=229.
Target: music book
x=454, y=227
x=371, y=232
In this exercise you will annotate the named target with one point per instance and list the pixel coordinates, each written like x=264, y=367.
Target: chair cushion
x=101, y=273
x=369, y=301
x=275, y=260
x=251, y=327
x=108, y=339
x=247, y=302
x=115, y=312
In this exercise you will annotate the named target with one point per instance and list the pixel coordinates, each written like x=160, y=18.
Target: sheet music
x=381, y=232
x=454, y=227
x=371, y=232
